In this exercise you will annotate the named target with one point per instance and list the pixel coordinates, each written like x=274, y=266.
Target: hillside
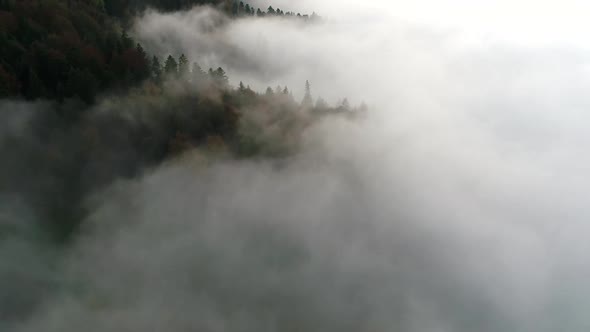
x=107, y=110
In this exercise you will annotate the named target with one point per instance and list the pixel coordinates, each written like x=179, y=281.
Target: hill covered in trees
x=109, y=110
x=86, y=107
x=60, y=49
x=236, y=8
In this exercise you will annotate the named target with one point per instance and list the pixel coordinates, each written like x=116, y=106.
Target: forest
x=70, y=56
x=79, y=48
x=85, y=106
x=209, y=166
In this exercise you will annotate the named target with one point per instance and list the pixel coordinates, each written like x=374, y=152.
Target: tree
x=141, y=51
x=269, y=92
x=242, y=88
x=271, y=11
x=156, y=69
x=143, y=68
x=345, y=104
x=219, y=77
x=171, y=66
x=34, y=86
x=83, y=84
x=8, y=83
x=99, y=4
x=234, y=8
x=183, y=69
x=307, y=101
x=198, y=75
x=321, y=104
x=259, y=13
x=126, y=41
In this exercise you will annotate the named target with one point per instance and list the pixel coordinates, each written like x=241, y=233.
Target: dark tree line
x=58, y=49
x=61, y=49
x=240, y=8
x=74, y=49
x=236, y=8
x=124, y=8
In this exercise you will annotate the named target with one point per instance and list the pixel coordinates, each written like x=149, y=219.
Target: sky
x=532, y=23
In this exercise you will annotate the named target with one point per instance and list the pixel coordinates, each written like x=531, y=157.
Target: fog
x=457, y=204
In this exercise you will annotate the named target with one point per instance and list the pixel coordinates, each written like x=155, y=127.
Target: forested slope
x=106, y=109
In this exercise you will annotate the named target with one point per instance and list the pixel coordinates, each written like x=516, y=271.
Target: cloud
x=457, y=205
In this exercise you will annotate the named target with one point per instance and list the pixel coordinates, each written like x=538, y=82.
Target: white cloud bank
x=459, y=205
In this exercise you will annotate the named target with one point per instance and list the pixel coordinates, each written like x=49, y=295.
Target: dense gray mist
x=458, y=204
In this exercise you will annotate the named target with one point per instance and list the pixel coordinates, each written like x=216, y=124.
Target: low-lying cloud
x=458, y=204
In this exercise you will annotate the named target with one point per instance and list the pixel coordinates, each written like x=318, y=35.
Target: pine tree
x=321, y=104
x=234, y=8
x=198, y=75
x=171, y=66
x=156, y=69
x=183, y=69
x=241, y=10
x=34, y=87
x=126, y=41
x=141, y=51
x=220, y=77
x=143, y=69
x=307, y=101
x=345, y=106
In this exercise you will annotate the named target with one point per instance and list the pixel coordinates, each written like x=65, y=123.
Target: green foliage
x=82, y=84
x=43, y=41
x=198, y=76
x=218, y=77
x=72, y=51
x=45, y=44
x=171, y=66
x=183, y=67
x=156, y=69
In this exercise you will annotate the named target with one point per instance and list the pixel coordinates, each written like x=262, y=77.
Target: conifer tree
x=156, y=69
x=220, y=77
x=198, y=75
x=126, y=41
x=171, y=66
x=307, y=101
x=183, y=69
